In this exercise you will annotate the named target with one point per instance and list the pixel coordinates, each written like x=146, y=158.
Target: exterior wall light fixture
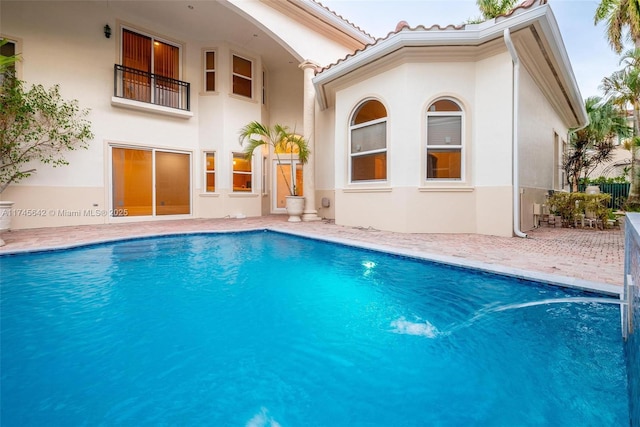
x=107, y=31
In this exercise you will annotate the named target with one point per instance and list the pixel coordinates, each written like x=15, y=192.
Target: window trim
x=563, y=175
x=462, y=114
x=385, y=150
x=264, y=88
x=17, y=43
x=234, y=155
x=153, y=37
x=208, y=172
x=110, y=145
x=134, y=104
x=250, y=79
x=205, y=70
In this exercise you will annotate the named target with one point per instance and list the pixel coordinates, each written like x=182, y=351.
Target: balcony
x=141, y=90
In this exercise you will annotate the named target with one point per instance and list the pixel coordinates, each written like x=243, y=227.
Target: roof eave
x=551, y=30
x=472, y=35
x=334, y=20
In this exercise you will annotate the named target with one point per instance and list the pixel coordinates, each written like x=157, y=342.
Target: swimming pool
x=262, y=328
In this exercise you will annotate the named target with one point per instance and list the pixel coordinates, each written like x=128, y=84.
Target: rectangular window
x=210, y=71
x=264, y=175
x=241, y=173
x=369, y=152
x=242, y=76
x=135, y=174
x=369, y=167
x=147, y=55
x=443, y=164
x=444, y=147
x=563, y=176
x=8, y=49
x=264, y=88
x=210, y=172
x=557, y=162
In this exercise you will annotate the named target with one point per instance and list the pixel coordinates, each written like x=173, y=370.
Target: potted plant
x=36, y=125
x=281, y=140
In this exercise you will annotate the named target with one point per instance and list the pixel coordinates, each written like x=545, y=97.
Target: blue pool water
x=263, y=329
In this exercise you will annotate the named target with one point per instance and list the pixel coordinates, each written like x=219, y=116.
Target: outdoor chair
x=593, y=221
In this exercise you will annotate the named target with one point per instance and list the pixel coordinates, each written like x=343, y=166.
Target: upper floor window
x=146, y=53
x=264, y=87
x=210, y=71
x=444, y=140
x=150, y=71
x=241, y=173
x=242, y=76
x=210, y=172
x=368, y=145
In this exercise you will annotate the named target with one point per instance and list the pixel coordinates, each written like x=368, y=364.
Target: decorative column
x=309, y=127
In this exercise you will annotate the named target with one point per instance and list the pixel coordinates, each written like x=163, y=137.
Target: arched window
x=368, y=148
x=444, y=140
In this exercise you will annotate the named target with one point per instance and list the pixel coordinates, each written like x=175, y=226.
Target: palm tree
x=280, y=139
x=620, y=15
x=491, y=9
x=593, y=144
x=623, y=89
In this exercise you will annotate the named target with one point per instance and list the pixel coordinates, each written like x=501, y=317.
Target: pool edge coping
x=534, y=276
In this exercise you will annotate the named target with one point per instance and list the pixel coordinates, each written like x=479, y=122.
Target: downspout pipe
x=514, y=138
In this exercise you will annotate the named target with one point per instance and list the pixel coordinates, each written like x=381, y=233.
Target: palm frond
x=619, y=15
x=278, y=138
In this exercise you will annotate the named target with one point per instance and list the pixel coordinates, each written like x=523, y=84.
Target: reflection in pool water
x=266, y=329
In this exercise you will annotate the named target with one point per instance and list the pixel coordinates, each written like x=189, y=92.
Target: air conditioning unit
x=537, y=209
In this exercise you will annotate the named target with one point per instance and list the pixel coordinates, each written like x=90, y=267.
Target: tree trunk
x=633, y=202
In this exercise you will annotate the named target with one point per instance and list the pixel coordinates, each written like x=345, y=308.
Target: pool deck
x=583, y=258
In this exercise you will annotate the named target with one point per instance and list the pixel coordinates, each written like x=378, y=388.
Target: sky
x=591, y=57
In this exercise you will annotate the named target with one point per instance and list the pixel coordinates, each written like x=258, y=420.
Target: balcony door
x=154, y=66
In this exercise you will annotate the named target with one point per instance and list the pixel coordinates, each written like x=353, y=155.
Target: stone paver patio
x=569, y=254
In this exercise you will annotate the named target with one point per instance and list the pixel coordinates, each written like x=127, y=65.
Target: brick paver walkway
x=583, y=254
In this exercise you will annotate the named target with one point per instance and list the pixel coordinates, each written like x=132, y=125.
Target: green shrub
x=570, y=205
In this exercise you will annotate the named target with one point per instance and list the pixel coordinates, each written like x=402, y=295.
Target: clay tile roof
x=526, y=4
x=401, y=25
x=404, y=26
x=343, y=18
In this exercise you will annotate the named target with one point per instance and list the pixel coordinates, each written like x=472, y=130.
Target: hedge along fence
x=571, y=205
x=619, y=192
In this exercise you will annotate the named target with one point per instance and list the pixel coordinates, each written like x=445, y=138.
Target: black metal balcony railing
x=141, y=86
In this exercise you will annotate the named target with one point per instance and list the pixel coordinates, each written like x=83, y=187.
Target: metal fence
x=151, y=88
x=619, y=192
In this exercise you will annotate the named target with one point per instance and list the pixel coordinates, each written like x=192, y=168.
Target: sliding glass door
x=148, y=182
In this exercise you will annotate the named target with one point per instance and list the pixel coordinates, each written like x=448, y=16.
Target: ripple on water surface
x=262, y=329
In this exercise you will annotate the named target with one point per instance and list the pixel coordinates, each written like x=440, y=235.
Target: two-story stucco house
x=458, y=129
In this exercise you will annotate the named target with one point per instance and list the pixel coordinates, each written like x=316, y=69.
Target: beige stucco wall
x=620, y=158
x=293, y=32
x=407, y=202
x=407, y=210
x=325, y=165
x=53, y=206
x=538, y=122
x=63, y=43
x=528, y=197
x=538, y=126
